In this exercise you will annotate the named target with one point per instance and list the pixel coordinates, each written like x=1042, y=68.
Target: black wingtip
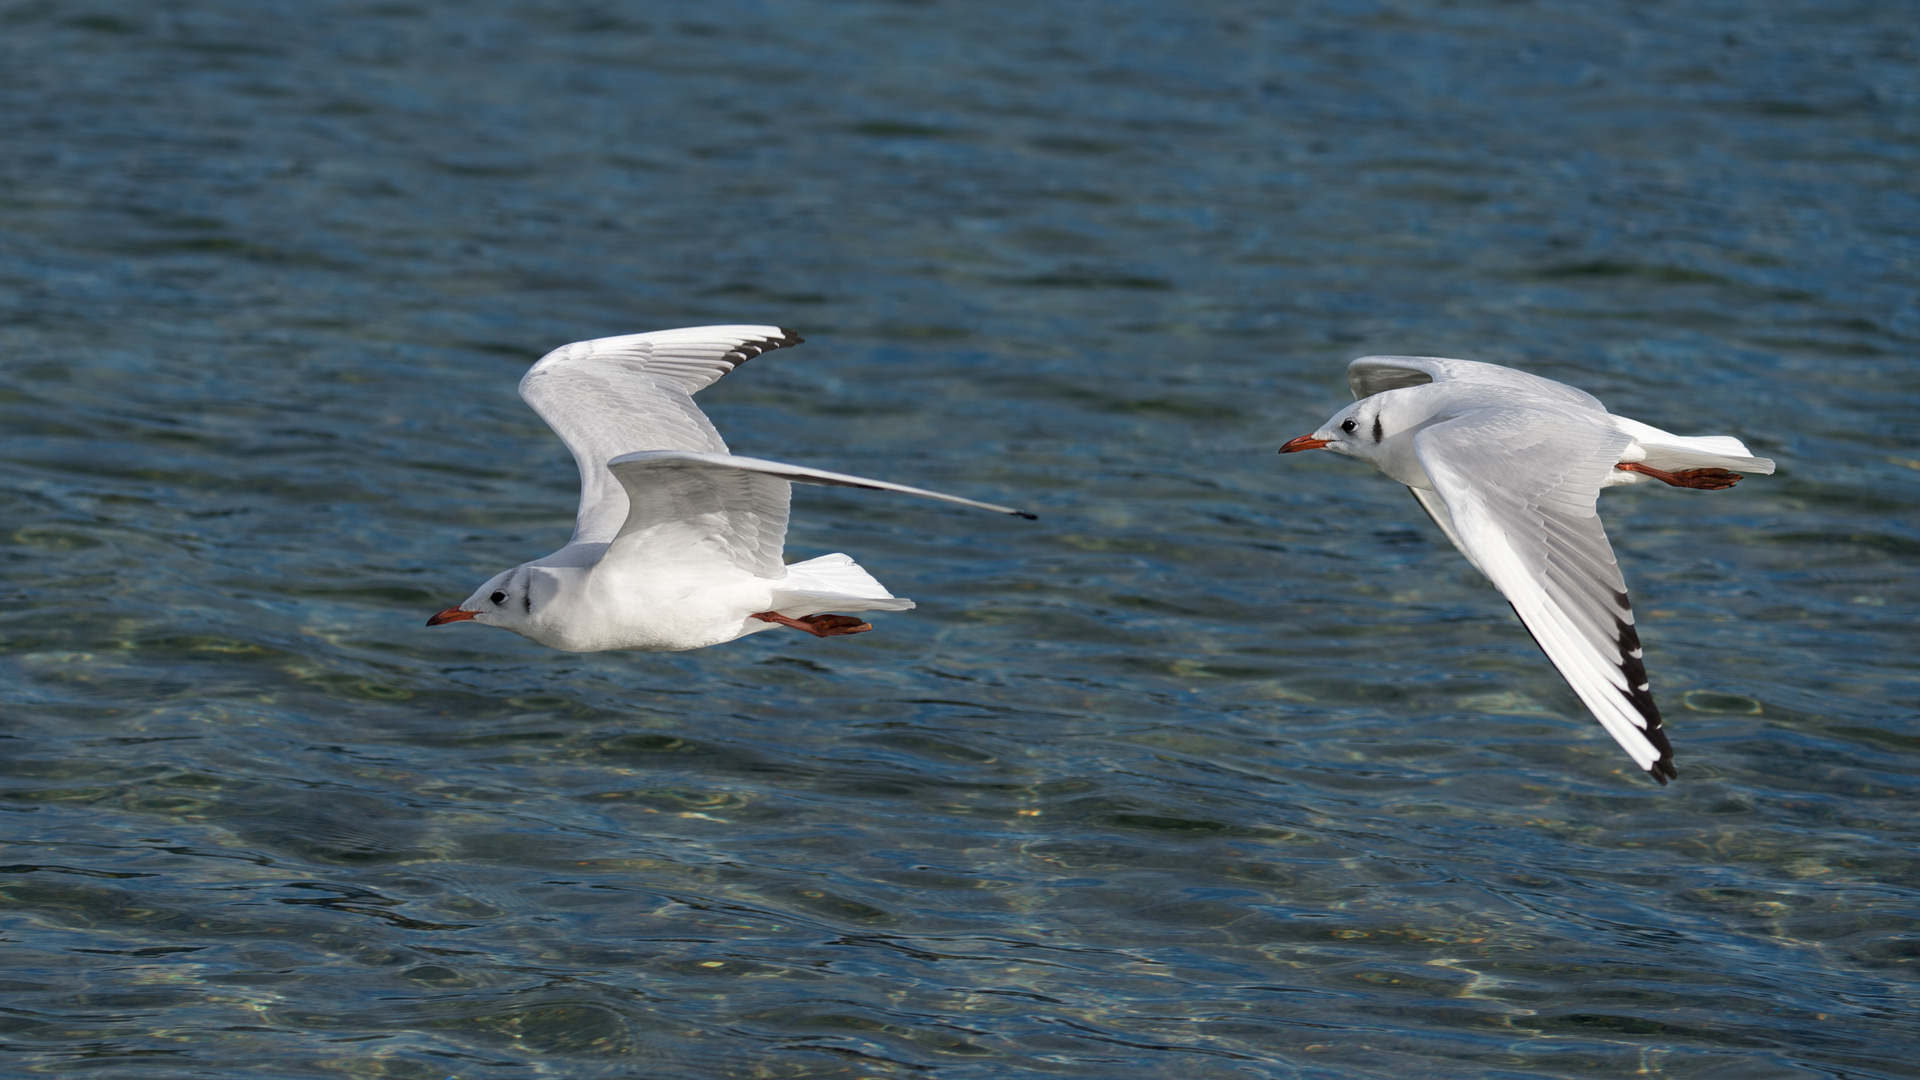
x=747, y=350
x=1024, y=514
x=1641, y=697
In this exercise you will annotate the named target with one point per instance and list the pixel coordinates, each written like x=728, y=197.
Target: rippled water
x=1228, y=766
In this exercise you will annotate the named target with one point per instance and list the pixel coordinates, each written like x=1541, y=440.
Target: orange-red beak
x=452, y=614
x=1304, y=442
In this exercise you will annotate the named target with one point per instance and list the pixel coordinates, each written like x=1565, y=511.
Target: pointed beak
x=452, y=614
x=1304, y=442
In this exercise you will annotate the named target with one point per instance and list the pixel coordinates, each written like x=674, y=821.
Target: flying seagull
x=1510, y=466
x=678, y=542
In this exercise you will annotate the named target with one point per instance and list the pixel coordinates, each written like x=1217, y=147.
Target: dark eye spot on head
x=1349, y=425
x=1376, y=428
x=498, y=597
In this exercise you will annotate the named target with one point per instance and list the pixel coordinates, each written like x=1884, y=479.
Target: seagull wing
x=684, y=506
x=683, y=501
x=1520, y=488
x=1371, y=375
x=1436, y=508
x=613, y=395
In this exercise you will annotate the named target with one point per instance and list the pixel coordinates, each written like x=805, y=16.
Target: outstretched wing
x=1372, y=375
x=1520, y=488
x=685, y=500
x=614, y=395
x=686, y=506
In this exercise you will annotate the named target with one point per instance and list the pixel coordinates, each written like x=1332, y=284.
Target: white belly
x=655, y=611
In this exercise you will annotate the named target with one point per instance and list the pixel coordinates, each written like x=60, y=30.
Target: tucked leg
x=1707, y=479
x=818, y=625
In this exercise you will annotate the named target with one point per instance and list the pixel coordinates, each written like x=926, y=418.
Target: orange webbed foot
x=1704, y=479
x=818, y=625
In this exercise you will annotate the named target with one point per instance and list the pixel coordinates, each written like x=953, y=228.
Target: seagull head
x=1357, y=431
x=1379, y=430
x=508, y=600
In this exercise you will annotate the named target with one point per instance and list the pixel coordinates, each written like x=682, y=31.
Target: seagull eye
x=1349, y=425
x=498, y=598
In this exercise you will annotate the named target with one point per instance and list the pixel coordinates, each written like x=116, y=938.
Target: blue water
x=1229, y=766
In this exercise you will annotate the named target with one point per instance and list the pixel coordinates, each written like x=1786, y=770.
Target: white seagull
x=1510, y=466
x=677, y=544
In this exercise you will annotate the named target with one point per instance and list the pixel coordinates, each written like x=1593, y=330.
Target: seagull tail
x=1666, y=450
x=833, y=583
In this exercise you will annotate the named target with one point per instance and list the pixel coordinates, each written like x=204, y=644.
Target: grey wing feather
x=701, y=506
x=736, y=507
x=1436, y=508
x=1520, y=489
x=613, y=395
x=1372, y=375
x=800, y=474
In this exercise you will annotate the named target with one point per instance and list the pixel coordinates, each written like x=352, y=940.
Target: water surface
x=1227, y=767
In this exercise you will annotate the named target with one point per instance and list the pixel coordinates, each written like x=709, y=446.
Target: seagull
x=678, y=542
x=1510, y=466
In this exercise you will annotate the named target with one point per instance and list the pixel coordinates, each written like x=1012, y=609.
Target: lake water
x=1228, y=766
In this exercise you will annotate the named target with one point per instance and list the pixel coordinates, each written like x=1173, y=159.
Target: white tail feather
x=833, y=583
x=1666, y=450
